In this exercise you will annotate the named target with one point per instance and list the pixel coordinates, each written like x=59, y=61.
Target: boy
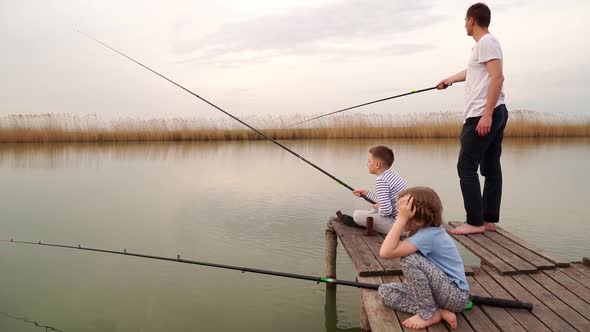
x=388, y=185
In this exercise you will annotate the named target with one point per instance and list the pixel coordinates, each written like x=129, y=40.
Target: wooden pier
x=510, y=268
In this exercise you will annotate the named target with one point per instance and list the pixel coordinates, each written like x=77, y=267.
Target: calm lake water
x=241, y=203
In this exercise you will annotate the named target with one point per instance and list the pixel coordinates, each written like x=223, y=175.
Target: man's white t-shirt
x=477, y=81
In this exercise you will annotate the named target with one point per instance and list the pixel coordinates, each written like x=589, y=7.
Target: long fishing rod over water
x=177, y=259
x=230, y=115
x=364, y=104
x=474, y=299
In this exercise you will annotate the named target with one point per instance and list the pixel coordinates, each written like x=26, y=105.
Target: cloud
x=349, y=28
x=330, y=53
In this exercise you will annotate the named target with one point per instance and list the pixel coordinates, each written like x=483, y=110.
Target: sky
x=280, y=57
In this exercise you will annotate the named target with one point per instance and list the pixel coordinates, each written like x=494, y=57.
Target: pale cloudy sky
x=260, y=57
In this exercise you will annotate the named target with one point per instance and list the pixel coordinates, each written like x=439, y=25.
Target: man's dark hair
x=480, y=13
x=383, y=153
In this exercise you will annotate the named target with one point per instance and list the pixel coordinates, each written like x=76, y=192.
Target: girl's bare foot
x=490, y=226
x=416, y=322
x=449, y=317
x=468, y=229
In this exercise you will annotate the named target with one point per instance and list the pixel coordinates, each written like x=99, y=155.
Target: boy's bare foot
x=449, y=317
x=490, y=226
x=468, y=229
x=416, y=322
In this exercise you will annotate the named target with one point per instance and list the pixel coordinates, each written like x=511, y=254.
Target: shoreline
x=59, y=128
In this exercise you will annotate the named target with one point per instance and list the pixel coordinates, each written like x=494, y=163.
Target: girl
x=435, y=286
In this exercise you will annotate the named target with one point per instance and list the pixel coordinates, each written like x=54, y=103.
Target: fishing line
x=230, y=115
x=26, y=320
x=365, y=104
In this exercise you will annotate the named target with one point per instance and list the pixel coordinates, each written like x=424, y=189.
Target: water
x=241, y=203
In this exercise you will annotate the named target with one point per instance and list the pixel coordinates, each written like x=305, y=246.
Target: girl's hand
x=376, y=206
x=405, y=210
x=359, y=192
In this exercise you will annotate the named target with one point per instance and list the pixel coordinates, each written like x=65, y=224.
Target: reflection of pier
x=331, y=312
x=511, y=269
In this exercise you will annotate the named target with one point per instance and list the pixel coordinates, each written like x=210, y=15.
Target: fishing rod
x=472, y=299
x=230, y=115
x=365, y=104
x=30, y=321
x=178, y=259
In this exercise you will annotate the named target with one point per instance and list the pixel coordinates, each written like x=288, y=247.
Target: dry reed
x=70, y=128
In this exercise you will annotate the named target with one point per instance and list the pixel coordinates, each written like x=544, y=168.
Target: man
x=483, y=129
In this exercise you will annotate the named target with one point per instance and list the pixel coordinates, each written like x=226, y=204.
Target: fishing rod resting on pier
x=473, y=299
x=365, y=104
x=230, y=115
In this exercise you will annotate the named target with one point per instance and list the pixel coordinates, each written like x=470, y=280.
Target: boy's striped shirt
x=387, y=186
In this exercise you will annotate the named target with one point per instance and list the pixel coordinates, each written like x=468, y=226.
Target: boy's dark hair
x=383, y=153
x=428, y=205
x=481, y=14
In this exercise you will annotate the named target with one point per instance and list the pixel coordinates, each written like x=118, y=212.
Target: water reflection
x=241, y=203
x=60, y=155
x=331, y=312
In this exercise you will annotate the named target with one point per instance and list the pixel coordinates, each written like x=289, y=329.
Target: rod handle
x=501, y=303
x=367, y=199
x=444, y=86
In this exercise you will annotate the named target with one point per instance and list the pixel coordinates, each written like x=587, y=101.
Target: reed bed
x=45, y=128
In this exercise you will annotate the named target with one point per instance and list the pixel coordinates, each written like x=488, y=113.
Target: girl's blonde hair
x=428, y=206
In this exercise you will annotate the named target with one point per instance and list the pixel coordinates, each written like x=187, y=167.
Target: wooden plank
x=364, y=323
x=484, y=254
x=583, y=269
x=390, y=266
x=499, y=316
x=552, y=301
x=478, y=320
x=463, y=325
x=440, y=327
x=557, y=261
x=527, y=255
x=343, y=230
x=524, y=317
x=540, y=310
x=365, y=263
x=507, y=256
x=381, y=318
x=577, y=275
x=565, y=295
x=571, y=284
x=469, y=270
